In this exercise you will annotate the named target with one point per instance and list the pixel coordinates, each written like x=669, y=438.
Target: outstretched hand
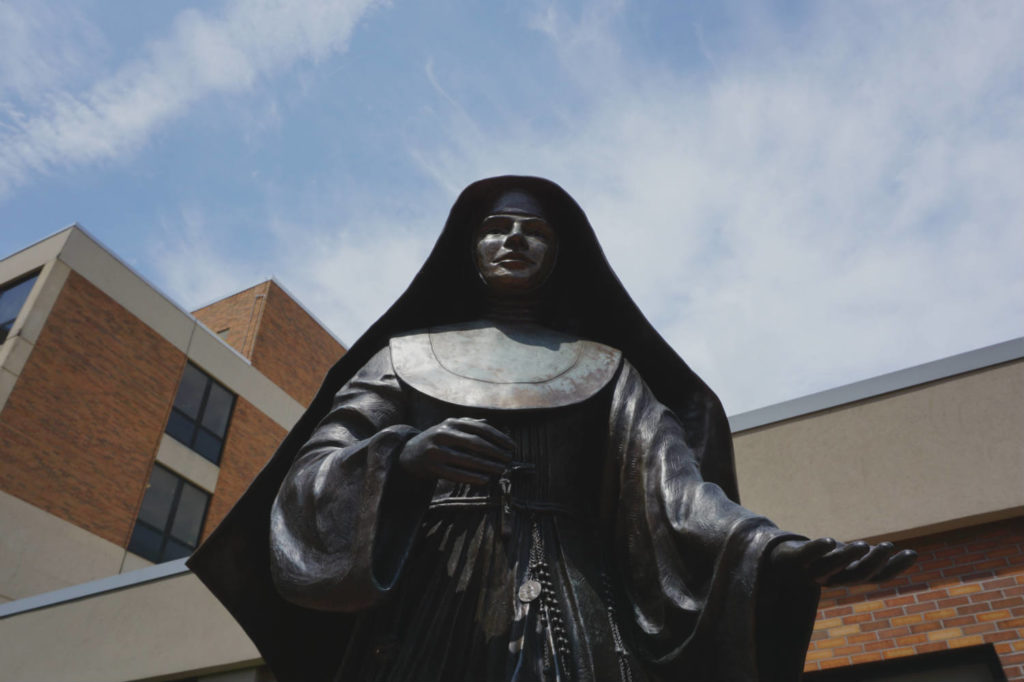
x=462, y=450
x=829, y=562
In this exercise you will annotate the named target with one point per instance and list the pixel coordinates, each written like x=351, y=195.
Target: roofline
x=309, y=312
x=275, y=281
x=971, y=361
x=93, y=588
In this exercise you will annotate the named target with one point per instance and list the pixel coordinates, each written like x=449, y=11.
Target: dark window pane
x=181, y=428
x=11, y=300
x=188, y=519
x=202, y=410
x=207, y=445
x=146, y=542
x=218, y=409
x=156, y=503
x=190, y=392
x=175, y=550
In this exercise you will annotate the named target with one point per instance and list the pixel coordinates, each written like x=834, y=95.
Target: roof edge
x=951, y=366
x=93, y=588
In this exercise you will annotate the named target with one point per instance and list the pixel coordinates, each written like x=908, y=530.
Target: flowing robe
x=647, y=571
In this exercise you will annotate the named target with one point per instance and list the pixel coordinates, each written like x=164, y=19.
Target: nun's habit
x=617, y=550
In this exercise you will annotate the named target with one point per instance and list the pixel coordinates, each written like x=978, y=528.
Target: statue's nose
x=515, y=238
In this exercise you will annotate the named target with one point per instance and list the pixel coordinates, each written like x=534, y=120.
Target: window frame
x=7, y=286
x=165, y=533
x=197, y=423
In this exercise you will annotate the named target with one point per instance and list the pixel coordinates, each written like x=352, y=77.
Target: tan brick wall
x=252, y=439
x=239, y=314
x=292, y=349
x=967, y=588
x=80, y=430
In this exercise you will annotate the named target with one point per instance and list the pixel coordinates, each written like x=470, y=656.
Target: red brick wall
x=252, y=439
x=80, y=430
x=239, y=314
x=967, y=588
x=292, y=349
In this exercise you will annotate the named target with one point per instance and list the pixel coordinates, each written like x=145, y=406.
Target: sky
x=798, y=195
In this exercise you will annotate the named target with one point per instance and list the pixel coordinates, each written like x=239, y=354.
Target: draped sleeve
x=700, y=598
x=347, y=515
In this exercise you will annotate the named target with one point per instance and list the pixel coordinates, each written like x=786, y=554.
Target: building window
x=12, y=297
x=201, y=412
x=170, y=518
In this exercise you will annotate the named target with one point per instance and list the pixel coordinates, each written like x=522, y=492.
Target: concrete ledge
x=40, y=551
x=152, y=624
x=94, y=588
x=187, y=463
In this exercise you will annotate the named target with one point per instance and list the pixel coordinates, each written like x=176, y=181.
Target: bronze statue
x=512, y=477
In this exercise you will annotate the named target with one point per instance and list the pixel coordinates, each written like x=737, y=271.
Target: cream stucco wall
x=151, y=631
x=40, y=552
x=939, y=455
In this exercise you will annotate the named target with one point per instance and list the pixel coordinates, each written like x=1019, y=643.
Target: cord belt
x=489, y=502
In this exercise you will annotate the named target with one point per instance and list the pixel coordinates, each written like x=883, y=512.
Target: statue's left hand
x=829, y=562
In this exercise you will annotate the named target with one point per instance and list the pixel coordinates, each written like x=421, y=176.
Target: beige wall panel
x=40, y=552
x=33, y=257
x=185, y=462
x=228, y=367
x=133, y=562
x=14, y=354
x=7, y=381
x=157, y=629
x=927, y=458
x=118, y=281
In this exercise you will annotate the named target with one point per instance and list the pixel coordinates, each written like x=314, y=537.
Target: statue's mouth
x=514, y=258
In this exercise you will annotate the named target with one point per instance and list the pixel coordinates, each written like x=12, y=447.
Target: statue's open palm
x=829, y=562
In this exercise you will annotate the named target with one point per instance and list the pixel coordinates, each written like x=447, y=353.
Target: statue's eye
x=496, y=224
x=538, y=228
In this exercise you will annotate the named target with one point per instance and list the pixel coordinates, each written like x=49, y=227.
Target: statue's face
x=515, y=252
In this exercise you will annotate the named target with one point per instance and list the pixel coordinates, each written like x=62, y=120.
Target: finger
x=481, y=428
x=462, y=460
x=898, y=562
x=469, y=443
x=865, y=568
x=457, y=475
x=836, y=560
x=812, y=550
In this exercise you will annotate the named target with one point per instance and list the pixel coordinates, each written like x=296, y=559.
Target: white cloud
x=202, y=54
x=808, y=214
x=189, y=261
x=814, y=213
x=43, y=49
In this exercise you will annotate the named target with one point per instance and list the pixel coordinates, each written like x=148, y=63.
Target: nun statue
x=511, y=477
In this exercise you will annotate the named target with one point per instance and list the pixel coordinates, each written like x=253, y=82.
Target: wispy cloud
x=832, y=200
x=817, y=211
x=44, y=49
x=203, y=54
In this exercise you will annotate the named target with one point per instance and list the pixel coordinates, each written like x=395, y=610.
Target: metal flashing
x=973, y=360
x=93, y=588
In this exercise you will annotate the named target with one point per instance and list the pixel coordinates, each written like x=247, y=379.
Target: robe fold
x=651, y=572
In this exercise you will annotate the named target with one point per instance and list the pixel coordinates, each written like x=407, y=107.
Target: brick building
x=107, y=387
x=128, y=427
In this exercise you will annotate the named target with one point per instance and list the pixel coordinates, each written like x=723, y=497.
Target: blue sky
x=799, y=195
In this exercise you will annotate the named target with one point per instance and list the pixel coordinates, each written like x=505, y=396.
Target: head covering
x=517, y=201
x=582, y=296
